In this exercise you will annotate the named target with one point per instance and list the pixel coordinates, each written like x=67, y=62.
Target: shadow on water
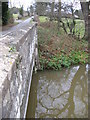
x=59, y=94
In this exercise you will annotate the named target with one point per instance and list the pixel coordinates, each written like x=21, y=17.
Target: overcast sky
x=17, y=3
x=27, y=3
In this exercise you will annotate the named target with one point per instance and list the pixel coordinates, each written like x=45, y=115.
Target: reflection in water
x=59, y=94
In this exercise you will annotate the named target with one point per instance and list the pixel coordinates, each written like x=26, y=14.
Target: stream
x=59, y=94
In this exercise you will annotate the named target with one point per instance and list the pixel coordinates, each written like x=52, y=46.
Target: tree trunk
x=52, y=11
x=59, y=14
x=85, y=11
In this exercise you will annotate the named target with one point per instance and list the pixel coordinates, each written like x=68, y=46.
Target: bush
x=4, y=13
x=21, y=11
x=10, y=17
x=7, y=17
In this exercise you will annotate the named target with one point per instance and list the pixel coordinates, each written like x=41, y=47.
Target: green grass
x=79, y=27
x=43, y=19
x=15, y=16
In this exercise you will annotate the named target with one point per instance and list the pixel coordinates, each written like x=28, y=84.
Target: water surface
x=59, y=94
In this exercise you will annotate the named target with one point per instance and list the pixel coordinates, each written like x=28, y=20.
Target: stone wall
x=18, y=51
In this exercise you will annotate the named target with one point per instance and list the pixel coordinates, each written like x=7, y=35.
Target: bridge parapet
x=18, y=52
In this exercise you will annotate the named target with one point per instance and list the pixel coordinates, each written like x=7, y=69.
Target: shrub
x=21, y=11
x=4, y=13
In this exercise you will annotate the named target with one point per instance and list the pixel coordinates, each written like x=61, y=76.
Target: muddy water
x=59, y=94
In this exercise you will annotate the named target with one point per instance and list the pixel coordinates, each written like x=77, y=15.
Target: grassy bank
x=57, y=49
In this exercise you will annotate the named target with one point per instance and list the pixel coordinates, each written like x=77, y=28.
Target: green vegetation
x=58, y=61
x=43, y=18
x=12, y=49
x=21, y=10
x=57, y=49
x=79, y=27
x=15, y=16
x=5, y=13
x=7, y=17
